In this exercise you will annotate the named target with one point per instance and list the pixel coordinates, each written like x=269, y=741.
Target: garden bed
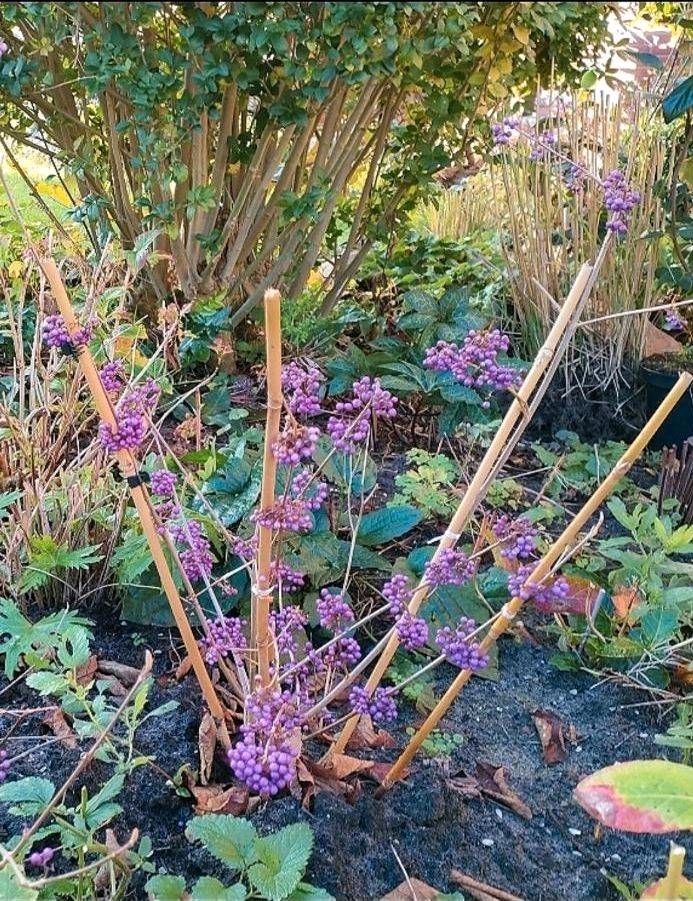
x=427, y=819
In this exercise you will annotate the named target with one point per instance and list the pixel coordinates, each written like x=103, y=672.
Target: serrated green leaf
x=387, y=523
x=282, y=860
x=11, y=890
x=230, y=839
x=659, y=624
x=306, y=892
x=207, y=888
x=47, y=683
x=165, y=888
x=32, y=793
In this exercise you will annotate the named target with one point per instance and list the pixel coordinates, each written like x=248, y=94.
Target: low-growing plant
x=270, y=867
x=428, y=483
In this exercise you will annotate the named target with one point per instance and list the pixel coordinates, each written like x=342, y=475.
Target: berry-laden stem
x=505, y=439
x=261, y=590
x=541, y=570
x=129, y=469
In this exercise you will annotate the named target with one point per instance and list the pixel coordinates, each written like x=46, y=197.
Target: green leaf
x=47, y=683
x=679, y=101
x=659, y=624
x=306, y=892
x=282, y=860
x=387, y=523
x=653, y=796
x=165, y=888
x=33, y=793
x=207, y=888
x=588, y=80
x=11, y=890
x=230, y=839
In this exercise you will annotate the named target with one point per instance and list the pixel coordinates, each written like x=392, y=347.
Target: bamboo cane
x=262, y=590
x=541, y=570
x=128, y=467
x=477, y=488
x=671, y=883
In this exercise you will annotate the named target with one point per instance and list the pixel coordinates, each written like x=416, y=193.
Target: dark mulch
x=555, y=855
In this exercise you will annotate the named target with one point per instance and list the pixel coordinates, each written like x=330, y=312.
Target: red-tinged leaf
x=554, y=735
x=624, y=599
x=640, y=796
x=582, y=597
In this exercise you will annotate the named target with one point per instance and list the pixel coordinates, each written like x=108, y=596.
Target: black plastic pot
x=678, y=426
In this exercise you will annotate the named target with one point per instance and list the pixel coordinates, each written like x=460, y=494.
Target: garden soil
x=429, y=821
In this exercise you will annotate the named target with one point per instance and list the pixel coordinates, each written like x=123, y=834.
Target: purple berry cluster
x=132, y=413
x=286, y=577
x=302, y=386
x=619, y=200
x=162, y=482
x=397, y=593
x=288, y=514
x=457, y=647
x=112, y=377
x=412, y=631
x=265, y=758
x=196, y=556
x=295, y=443
x=41, y=858
x=313, y=494
x=333, y=611
x=343, y=654
x=226, y=635
x=286, y=624
x=245, y=548
x=452, y=567
x=4, y=47
x=54, y=332
x=541, y=144
x=575, y=179
x=4, y=765
x=381, y=707
x=518, y=537
x=548, y=597
x=349, y=426
x=475, y=364
x=674, y=321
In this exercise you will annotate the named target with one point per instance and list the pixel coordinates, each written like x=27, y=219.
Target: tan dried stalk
x=515, y=420
x=542, y=570
x=129, y=469
x=262, y=588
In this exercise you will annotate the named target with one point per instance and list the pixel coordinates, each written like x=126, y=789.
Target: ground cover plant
x=321, y=574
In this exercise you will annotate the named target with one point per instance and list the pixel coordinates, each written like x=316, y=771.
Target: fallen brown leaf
x=123, y=673
x=489, y=779
x=114, y=686
x=365, y=736
x=85, y=673
x=206, y=742
x=659, y=342
x=413, y=890
x=624, y=599
x=314, y=778
x=56, y=722
x=379, y=770
x=342, y=766
x=554, y=735
x=217, y=799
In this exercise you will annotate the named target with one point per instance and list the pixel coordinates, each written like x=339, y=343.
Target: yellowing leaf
x=15, y=269
x=521, y=32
